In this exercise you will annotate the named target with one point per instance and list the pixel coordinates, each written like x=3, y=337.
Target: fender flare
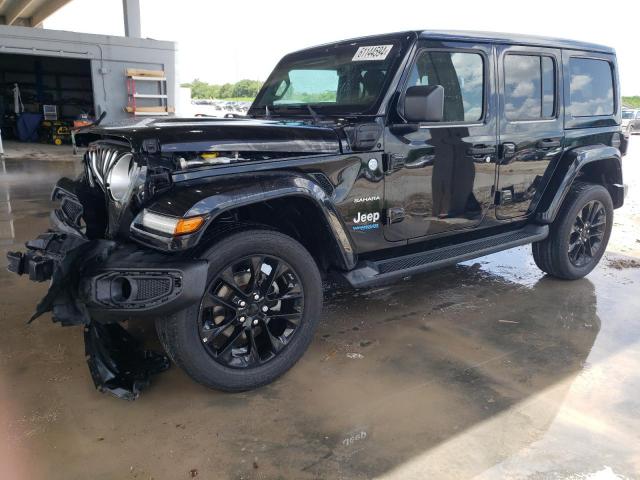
x=575, y=160
x=218, y=195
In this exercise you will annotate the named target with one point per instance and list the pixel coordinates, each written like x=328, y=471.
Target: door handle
x=481, y=150
x=548, y=143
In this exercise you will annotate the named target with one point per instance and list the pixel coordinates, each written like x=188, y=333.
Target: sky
x=225, y=41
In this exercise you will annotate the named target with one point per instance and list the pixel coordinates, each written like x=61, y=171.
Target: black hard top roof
x=514, y=38
x=488, y=37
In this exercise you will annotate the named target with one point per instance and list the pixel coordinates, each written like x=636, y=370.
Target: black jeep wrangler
x=369, y=159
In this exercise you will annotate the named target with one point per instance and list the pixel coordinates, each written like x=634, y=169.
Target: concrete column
x=131, y=10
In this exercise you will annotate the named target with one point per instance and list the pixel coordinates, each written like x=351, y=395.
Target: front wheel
x=579, y=235
x=257, y=317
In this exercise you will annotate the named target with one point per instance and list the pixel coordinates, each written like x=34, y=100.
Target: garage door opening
x=43, y=98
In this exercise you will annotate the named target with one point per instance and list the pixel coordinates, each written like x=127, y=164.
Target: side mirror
x=424, y=103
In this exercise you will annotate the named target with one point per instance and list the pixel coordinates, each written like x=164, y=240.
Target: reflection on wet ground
x=486, y=369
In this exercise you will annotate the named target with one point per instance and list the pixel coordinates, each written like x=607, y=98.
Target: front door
x=531, y=125
x=441, y=177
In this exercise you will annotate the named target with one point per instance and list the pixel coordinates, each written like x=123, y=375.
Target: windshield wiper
x=314, y=115
x=299, y=106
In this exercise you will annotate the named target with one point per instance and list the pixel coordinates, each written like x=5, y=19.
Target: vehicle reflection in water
x=443, y=353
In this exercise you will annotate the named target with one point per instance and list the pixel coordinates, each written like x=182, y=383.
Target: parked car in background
x=630, y=121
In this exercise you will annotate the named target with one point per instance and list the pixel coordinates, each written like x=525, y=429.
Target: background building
x=57, y=76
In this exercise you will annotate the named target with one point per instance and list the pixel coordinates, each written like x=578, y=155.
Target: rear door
x=531, y=130
x=441, y=177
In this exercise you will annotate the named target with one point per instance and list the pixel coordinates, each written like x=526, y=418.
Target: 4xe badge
x=366, y=221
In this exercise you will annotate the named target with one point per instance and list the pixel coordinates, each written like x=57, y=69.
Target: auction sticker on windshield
x=372, y=52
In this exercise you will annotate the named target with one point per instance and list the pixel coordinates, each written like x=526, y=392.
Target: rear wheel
x=257, y=317
x=579, y=235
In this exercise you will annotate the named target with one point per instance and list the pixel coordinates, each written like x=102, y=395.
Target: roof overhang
x=28, y=13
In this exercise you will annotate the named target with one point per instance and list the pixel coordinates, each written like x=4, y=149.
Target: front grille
x=99, y=160
x=72, y=210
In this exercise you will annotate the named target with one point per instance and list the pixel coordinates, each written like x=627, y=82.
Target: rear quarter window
x=529, y=87
x=590, y=87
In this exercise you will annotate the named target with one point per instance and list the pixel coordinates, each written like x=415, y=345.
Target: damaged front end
x=123, y=239
x=99, y=278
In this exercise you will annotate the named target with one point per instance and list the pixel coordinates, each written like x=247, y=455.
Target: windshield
x=347, y=78
x=627, y=114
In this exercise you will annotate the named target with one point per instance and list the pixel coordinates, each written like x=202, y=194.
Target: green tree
x=631, y=102
x=226, y=91
x=244, y=88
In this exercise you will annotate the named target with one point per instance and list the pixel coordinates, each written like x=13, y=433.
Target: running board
x=369, y=273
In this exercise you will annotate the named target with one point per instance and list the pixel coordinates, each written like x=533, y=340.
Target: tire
x=631, y=130
x=237, y=368
x=554, y=256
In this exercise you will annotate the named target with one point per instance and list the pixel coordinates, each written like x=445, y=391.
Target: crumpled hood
x=218, y=135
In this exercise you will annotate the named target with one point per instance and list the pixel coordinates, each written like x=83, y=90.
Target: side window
x=529, y=87
x=591, y=87
x=462, y=77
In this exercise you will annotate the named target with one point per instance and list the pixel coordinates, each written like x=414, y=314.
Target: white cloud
x=579, y=82
x=523, y=89
x=596, y=106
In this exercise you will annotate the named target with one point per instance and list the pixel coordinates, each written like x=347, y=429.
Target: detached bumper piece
x=42, y=255
x=97, y=283
x=62, y=258
x=118, y=364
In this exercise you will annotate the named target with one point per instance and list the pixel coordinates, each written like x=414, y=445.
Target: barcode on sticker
x=372, y=52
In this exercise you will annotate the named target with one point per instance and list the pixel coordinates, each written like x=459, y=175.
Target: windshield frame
x=403, y=40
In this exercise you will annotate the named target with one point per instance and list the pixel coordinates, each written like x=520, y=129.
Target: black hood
x=216, y=135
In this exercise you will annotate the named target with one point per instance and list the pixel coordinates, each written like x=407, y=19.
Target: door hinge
x=395, y=161
x=395, y=215
x=504, y=196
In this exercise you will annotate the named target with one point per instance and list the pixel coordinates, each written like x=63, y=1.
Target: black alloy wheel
x=251, y=311
x=257, y=316
x=579, y=235
x=587, y=234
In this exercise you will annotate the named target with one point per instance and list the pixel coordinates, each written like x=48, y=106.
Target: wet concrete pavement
x=487, y=370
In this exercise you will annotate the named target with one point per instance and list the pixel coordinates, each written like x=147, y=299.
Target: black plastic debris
x=63, y=299
x=118, y=363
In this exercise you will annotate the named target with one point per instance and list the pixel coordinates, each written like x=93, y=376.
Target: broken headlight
x=121, y=176
x=112, y=167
